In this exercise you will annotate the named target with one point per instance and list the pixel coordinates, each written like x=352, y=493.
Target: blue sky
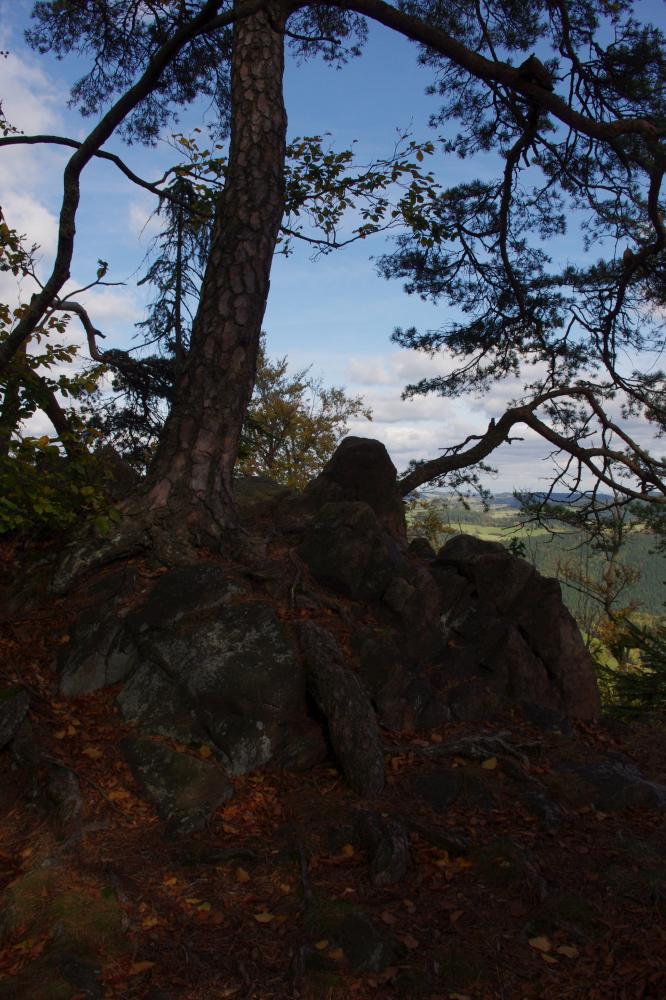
x=335, y=313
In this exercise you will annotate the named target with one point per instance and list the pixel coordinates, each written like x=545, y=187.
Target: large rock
x=99, y=653
x=361, y=469
x=352, y=724
x=233, y=676
x=184, y=789
x=508, y=636
x=345, y=547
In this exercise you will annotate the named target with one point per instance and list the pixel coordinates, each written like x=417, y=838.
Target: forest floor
x=273, y=900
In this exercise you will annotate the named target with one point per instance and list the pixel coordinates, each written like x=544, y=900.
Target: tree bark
x=192, y=473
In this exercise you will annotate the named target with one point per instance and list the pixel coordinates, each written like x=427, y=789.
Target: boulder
x=345, y=548
x=77, y=923
x=99, y=653
x=352, y=723
x=506, y=629
x=360, y=469
x=184, y=789
x=233, y=676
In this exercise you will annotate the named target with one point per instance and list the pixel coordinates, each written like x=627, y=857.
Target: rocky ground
x=339, y=769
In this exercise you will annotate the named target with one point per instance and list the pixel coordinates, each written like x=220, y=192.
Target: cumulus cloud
x=31, y=99
x=142, y=220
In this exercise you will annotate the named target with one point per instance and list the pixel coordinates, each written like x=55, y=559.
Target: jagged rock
x=503, y=622
x=386, y=842
x=182, y=592
x=345, y=547
x=352, y=723
x=100, y=653
x=184, y=789
x=157, y=705
x=234, y=677
x=14, y=704
x=361, y=469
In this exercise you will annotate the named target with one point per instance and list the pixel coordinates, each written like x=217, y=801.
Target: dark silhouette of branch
x=207, y=19
x=650, y=473
x=499, y=72
x=59, y=140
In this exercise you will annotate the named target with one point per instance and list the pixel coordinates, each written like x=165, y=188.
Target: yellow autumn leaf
x=549, y=959
x=205, y=751
x=117, y=795
x=568, y=950
x=149, y=922
x=264, y=917
x=138, y=967
x=242, y=875
x=192, y=901
x=347, y=851
x=540, y=943
x=60, y=735
x=204, y=907
x=228, y=828
x=490, y=764
x=321, y=945
x=337, y=954
x=93, y=752
x=170, y=880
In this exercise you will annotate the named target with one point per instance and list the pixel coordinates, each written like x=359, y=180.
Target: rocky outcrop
x=361, y=470
x=351, y=721
x=219, y=654
x=345, y=548
x=184, y=789
x=508, y=634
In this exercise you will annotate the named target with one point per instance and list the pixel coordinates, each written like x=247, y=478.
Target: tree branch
x=648, y=472
x=59, y=140
x=497, y=72
x=204, y=21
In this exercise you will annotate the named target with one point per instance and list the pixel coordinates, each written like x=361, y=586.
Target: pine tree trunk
x=192, y=473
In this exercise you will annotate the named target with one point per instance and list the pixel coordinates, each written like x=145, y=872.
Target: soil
x=274, y=899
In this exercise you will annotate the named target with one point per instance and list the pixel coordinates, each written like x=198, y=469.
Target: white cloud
x=31, y=218
x=142, y=220
x=31, y=99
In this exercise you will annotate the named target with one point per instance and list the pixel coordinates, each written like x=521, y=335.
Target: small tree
x=294, y=423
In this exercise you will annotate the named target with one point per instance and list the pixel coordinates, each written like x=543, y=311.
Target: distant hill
x=509, y=500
